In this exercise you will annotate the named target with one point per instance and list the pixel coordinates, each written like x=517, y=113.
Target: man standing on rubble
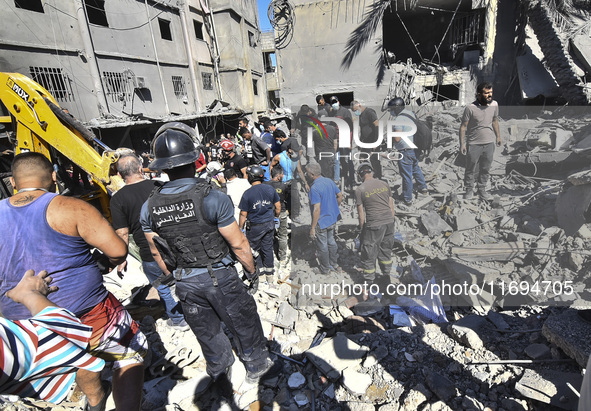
x=478, y=132
x=368, y=129
x=126, y=205
x=376, y=222
x=408, y=165
x=201, y=240
x=260, y=204
x=325, y=199
x=56, y=233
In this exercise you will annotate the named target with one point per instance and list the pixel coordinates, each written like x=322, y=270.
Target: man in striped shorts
x=56, y=233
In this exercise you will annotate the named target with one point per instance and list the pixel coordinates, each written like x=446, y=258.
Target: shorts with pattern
x=116, y=337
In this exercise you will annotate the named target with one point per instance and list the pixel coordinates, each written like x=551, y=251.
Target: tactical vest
x=179, y=219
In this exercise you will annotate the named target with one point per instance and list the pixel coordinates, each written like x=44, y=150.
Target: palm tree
x=363, y=33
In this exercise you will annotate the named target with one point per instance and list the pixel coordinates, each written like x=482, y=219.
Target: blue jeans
x=152, y=271
x=408, y=166
x=326, y=247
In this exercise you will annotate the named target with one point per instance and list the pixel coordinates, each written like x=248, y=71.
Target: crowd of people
x=214, y=229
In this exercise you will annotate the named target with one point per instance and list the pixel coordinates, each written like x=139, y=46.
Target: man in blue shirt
x=260, y=204
x=325, y=199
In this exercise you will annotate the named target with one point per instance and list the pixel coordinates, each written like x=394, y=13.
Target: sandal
x=102, y=405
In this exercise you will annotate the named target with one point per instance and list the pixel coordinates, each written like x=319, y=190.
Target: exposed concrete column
x=157, y=60
x=103, y=106
x=490, y=32
x=216, y=58
x=183, y=14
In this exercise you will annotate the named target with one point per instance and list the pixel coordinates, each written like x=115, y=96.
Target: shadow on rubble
x=414, y=367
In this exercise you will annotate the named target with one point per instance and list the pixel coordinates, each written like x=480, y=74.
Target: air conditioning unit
x=139, y=82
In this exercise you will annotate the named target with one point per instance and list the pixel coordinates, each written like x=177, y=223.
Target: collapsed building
x=431, y=51
x=501, y=348
x=124, y=68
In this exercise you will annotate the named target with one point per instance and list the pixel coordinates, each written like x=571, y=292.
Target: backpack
x=423, y=138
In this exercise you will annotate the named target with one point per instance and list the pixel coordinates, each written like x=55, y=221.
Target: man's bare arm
x=315, y=218
x=392, y=207
x=463, y=128
x=277, y=206
x=155, y=253
x=239, y=245
x=242, y=219
x=32, y=291
x=244, y=172
x=78, y=218
x=123, y=233
x=361, y=215
x=495, y=124
x=339, y=198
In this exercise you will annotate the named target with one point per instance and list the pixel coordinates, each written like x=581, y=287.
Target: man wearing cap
x=376, y=222
x=344, y=154
x=408, y=165
x=233, y=160
x=261, y=205
x=368, y=130
x=202, y=241
x=257, y=151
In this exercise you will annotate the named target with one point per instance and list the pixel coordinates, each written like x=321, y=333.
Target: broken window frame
x=54, y=81
x=178, y=85
x=30, y=5
x=255, y=86
x=251, y=39
x=95, y=12
x=118, y=86
x=468, y=29
x=165, y=29
x=207, y=79
x=198, y=26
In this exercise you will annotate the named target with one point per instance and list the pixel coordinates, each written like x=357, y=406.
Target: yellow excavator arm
x=40, y=125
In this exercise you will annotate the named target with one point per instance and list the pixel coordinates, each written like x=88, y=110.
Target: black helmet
x=173, y=147
x=396, y=105
x=255, y=173
x=363, y=170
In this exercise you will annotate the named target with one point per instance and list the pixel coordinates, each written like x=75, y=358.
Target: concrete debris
x=537, y=351
x=490, y=252
x=335, y=355
x=356, y=382
x=507, y=268
x=570, y=333
x=550, y=387
x=296, y=380
x=434, y=224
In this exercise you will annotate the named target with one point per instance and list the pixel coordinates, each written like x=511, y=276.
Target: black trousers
x=207, y=306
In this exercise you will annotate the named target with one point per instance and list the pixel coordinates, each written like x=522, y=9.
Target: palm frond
x=380, y=65
x=363, y=33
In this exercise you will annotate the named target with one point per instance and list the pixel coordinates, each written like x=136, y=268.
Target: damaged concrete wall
x=311, y=63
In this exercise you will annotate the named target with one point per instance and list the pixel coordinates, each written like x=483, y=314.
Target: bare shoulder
x=65, y=213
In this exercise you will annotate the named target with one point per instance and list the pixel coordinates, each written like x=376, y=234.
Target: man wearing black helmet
x=376, y=222
x=408, y=165
x=260, y=204
x=202, y=240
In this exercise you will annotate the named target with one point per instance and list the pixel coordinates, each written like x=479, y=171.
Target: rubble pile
x=507, y=347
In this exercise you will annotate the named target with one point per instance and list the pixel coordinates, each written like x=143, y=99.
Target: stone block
x=549, y=387
x=434, y=224
x=336, y=354
x=356, y=382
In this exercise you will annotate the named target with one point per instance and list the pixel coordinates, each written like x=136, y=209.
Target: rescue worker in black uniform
x=203, y=237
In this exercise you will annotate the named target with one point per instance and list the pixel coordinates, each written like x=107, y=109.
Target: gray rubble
x=508, y=346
